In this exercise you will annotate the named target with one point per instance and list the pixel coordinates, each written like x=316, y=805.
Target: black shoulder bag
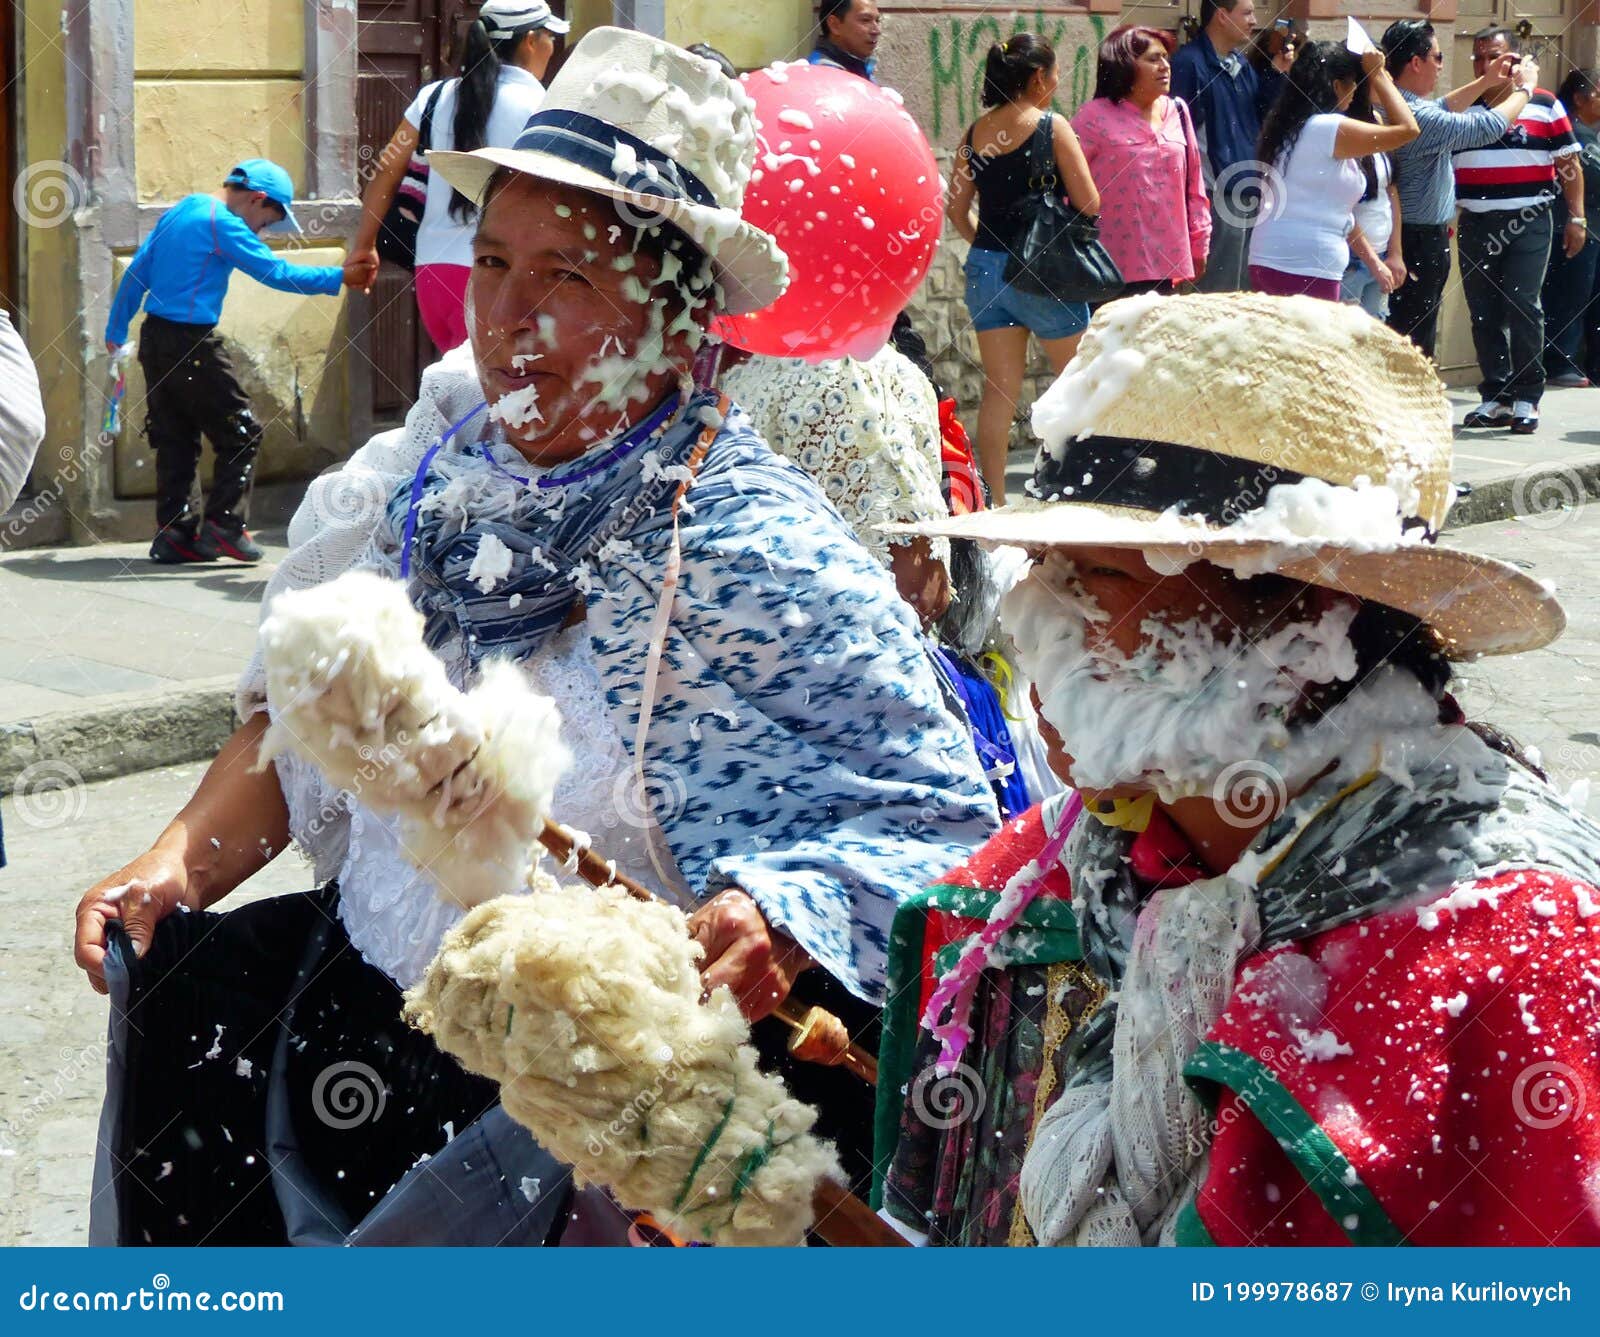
x=397, y=237
x=1059, y=253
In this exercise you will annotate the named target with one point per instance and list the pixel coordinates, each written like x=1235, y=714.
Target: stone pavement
x=52, y=1025
x=60, y=841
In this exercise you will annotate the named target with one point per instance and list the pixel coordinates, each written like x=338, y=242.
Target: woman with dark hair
x=757, y=729
x=1290, y=964
x=497, y=87
x=989, y=191
x=1300, y=244
x=1140, y=144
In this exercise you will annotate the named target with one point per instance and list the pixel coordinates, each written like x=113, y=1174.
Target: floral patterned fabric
x=868, y=432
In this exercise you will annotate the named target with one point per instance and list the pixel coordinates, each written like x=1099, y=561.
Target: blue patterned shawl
x=798, y=745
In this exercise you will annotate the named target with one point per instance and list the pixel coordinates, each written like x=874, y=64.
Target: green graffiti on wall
x=957, y=49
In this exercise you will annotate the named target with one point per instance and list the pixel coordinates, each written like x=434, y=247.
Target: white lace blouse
x=392, y=911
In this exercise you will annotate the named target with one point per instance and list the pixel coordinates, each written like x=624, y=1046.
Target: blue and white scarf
x=553, y=530
x=797, y=744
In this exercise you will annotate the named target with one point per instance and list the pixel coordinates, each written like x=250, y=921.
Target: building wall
x=217, y=81
x=129, y=105
x=50, y=254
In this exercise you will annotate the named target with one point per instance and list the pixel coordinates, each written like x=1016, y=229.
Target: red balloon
x=845, y=181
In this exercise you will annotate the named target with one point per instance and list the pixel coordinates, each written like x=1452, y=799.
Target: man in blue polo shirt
x=1224, y=95
x=180, y=275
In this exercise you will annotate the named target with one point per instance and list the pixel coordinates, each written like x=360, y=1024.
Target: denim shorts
x=995, y=305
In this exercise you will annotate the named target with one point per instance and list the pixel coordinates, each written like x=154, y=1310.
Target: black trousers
x=1414, y=306
x=1504, y=254
x=190, y=391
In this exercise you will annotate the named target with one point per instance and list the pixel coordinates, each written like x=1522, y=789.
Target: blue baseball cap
x=273, y=182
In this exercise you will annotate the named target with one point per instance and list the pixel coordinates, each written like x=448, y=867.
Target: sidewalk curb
x=116, y=736
x=139, y=731
x=1536, y=489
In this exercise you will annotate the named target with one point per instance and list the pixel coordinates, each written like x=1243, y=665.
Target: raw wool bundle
x=354, y=690
x=585, y=1006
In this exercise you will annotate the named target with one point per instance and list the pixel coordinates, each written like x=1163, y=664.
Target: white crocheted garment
x=1111, y=1162
x=394, y=915
x=868, y=432
x=334, y=531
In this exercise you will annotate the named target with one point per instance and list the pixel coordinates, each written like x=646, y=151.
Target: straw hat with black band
x=665, y=134
x=1260, y=433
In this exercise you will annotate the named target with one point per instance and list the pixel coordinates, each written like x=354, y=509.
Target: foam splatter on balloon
x=845, y=181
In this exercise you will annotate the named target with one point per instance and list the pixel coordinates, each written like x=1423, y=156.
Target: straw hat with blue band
x=661, y=131
x=273, y=182
x=1179, y=417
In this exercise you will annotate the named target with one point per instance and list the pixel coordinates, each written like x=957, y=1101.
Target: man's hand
x=1575, y=236
x=112, y=348
x=758, y=962
x=141, y=895
x=1199, y=268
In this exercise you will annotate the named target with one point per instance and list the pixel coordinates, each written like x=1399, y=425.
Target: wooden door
x=402, y=45
x=399, y=50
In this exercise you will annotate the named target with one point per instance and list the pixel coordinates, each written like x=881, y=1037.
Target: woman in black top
x=991, y=171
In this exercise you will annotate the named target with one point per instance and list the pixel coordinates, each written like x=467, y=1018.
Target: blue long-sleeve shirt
x=181, y=271
x=1224, y=97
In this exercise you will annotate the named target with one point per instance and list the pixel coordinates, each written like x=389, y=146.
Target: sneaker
x=234, y=543
x=1524, y=418
x=179, y=547
x=1488, y=414
x=1568, y=380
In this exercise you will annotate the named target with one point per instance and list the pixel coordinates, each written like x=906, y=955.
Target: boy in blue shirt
x=180, y=274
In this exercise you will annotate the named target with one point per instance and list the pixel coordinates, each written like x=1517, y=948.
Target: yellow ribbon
x=1126, y=814
x=1002, y=678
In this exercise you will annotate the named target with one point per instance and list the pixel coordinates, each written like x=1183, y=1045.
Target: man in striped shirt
x=1422, y=168
x=1505, y=190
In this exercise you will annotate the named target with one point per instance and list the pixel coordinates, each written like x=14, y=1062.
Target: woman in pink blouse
x=1139, y=141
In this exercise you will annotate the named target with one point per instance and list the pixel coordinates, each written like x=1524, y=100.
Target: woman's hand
x=758, y=962
x=1199, y=268
x=361, y=268
x=1372, y=64
x=141, y=894
x=1396, y=266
